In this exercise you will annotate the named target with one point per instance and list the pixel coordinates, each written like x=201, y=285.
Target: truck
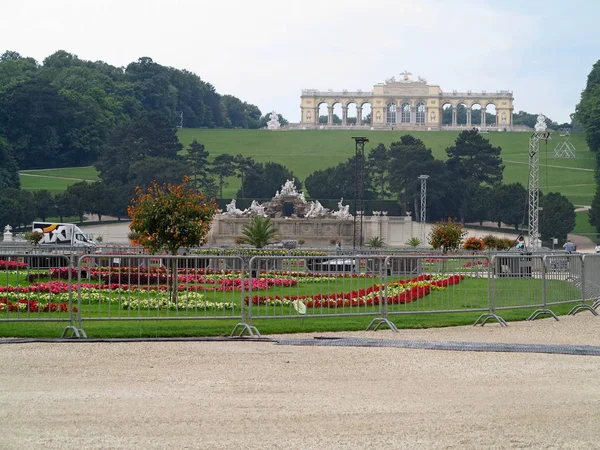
x=63, y=234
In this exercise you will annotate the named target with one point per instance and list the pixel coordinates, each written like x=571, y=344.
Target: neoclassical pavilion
x=406, y=103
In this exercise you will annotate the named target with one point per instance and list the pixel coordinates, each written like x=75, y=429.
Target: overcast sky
x=266, y=52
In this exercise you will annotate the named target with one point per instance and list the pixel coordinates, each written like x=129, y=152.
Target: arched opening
x=366, y=114
x=337, y=113
x=390, y=118
x=405, y=112
x=323, y=113
x=490, y=115
x=447, y=114
x=420, y=116
x=461, y=114
x=351, y=114
x=476, y=114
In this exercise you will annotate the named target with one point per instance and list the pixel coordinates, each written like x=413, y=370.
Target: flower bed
x=12, y=265
x=32, y=306
x=397, y=292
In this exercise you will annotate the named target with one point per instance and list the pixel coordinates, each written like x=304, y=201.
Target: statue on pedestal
x=273, y=123
x=343, y=212
x=232, y=210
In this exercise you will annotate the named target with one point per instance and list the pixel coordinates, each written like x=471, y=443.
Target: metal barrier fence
x=150, y=287
x=126, y=287
x=29, y=292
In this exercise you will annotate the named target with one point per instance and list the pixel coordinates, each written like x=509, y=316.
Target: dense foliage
x=61, y=112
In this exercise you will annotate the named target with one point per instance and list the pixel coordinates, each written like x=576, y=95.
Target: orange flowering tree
x=169, y=217
x=447, y=235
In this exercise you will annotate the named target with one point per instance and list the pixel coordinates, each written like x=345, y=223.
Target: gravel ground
x=260, y=395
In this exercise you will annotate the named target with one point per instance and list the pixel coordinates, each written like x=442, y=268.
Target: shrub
x=414, y=242
x=375, y=242
x=447, y=235
x=474, y=244
x=490, y=241
x=34, y=237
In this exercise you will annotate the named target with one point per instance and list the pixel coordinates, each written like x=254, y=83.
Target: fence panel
x=150, y=287
x=33, y=288
x=437, y=284
x=320, y=286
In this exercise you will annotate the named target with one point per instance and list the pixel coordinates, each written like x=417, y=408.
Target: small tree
x=34, y=237
x=260, y=232
x=447, y=235
x=169, y=217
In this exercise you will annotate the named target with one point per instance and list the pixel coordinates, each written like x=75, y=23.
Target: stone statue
x=432, y=116
x=541, y=123
x=273, y=123
x=302, y=198
x=343, y=212
x=308, y=116
x=257, y=210
x=7, y=229
x=421, y=80
x=390, y=80
x=232, y=210
x=289, y=189
x=378, y=116
x=503, y=117
x=316, y=210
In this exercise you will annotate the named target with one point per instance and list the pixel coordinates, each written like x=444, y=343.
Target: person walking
x=569, y=246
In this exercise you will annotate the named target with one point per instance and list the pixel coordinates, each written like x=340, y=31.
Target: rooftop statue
x=289, y=189
x=541, y=123
x=273, y=123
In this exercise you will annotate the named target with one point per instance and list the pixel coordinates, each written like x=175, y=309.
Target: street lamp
x=423, y=179
x=359, y=168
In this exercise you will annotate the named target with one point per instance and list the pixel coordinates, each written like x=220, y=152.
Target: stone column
x=344, y=115
x=426, y=120
x=469, y=111
x=358, y=115
x=454, y=116
x=413, y=115
x=483, y=124
x=330, y=115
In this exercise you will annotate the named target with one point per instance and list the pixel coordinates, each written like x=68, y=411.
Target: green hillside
x=306, y=151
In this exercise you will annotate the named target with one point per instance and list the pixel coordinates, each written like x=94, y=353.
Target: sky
x=266, y=52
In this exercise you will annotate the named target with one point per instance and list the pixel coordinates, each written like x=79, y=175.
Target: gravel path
x=259, y=395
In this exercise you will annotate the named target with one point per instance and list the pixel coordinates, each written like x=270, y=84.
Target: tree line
x=588, y=114
x=60, y=113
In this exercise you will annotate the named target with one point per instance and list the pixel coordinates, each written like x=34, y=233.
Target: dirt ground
x=260, y=395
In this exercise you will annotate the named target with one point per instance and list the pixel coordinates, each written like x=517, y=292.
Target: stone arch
x=322, y=112
x=462, y=113
x=420, y=112
x=490, y=118
x=405, y=110
x=365, y=113
x=390, y=113
x=446, y=110
x=337, y=108
x=476, y=109
x=351, y=113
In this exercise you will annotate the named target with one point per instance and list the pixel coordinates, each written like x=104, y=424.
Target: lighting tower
x=359, y=169
x=423, y=179
x=534, y=180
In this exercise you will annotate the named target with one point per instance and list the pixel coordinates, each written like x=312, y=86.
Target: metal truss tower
x=359, y=188
x=423, y=179
x=534, y=187
x=564, y=149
